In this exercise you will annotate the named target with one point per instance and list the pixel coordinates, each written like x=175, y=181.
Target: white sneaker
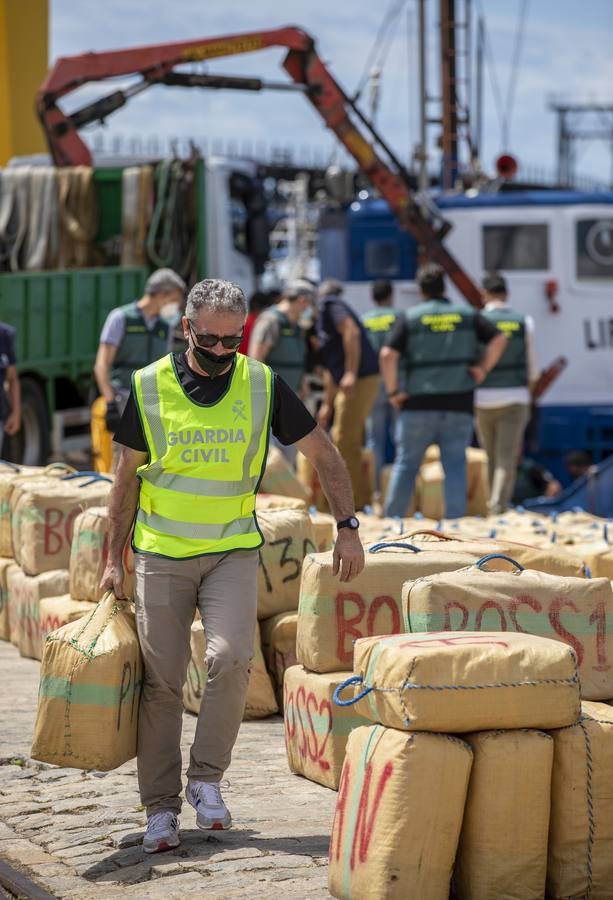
x=211, y=812
x=162, y=831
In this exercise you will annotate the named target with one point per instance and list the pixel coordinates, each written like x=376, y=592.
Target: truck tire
x=30, y=446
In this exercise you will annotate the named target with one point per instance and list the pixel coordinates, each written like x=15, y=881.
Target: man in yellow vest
x=194, y=439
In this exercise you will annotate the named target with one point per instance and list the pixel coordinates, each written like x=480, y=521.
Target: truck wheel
x=30, y=446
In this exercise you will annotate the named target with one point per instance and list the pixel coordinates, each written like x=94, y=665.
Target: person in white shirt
x=502, y=401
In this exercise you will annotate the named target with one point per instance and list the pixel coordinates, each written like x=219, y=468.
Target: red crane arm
x=156, y=64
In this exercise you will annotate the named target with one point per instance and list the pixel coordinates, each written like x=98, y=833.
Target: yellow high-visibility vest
x=206, y=461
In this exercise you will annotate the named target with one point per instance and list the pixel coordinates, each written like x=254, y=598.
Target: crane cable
x=378, y=48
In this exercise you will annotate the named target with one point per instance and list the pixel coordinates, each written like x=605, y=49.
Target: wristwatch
x=352, y=522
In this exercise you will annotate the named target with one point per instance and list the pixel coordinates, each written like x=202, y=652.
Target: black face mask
x=210, y=363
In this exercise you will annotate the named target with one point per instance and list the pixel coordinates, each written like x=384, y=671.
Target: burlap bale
x=477, y=484
x=89, y=553
x=316, y=729
x=598, y=556
x=398, y=815
x=331, y=615
x=12, y=475
x=279, y=477
x=580, y=862
x=577, y=611
x=310, y=479
x=5, y=624
x=289, y=537
x=43, y=514
x=552, y=559
x=508, y=802
x=54, y=612
x=91, y=677
x=429, y=490
x=324, y=531
x=25, y=594
x=260, y=695
x=278, y=501
x=473, y=681
x=279, y=647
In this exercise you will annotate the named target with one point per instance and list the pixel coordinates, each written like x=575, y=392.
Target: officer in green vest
x=378, y=323
x=277, y=337
x=439, y=347
x=194, y=439
x=502, y=401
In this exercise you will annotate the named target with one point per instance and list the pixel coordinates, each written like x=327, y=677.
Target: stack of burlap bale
x=331, y=616
x=38, y=510
x=535, y=817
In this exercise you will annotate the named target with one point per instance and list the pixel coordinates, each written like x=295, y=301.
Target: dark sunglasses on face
x=228, y=341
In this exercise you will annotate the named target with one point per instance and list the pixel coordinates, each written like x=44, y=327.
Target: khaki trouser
x=350, y=414
x=224, y=588
x=501, y=433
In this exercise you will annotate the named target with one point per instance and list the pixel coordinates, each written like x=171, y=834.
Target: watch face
x=353, y=522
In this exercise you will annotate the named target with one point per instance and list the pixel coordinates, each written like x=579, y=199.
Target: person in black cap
x=502, y=401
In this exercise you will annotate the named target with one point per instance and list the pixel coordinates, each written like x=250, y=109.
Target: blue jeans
x=415, y=431
x=378, y=427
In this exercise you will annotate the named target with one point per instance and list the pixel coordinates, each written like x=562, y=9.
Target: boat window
x=382, y=258
x=515, y=247
x=594, y=248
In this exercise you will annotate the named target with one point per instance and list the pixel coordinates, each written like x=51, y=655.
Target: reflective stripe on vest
x=287, y=357
x=441, y=345
x=139, y=346
x=512, y=368
x=183, y=513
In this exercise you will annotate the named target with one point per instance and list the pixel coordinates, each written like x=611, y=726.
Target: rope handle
x=93, y=478
x=385, y=545
x=10, y=465
x=432, y=532
x=354, y=679
x=490, y=556
x=58, y=465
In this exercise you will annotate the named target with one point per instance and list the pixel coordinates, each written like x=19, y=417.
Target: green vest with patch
x=287, y=357
x=512, y=368
x=139, y=346
x=378, y=323
x=441, y=345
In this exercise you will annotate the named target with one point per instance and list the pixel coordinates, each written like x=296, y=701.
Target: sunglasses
x=227, y=341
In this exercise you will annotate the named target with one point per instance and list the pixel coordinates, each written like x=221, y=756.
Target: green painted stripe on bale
x=56, y=688
x=312, y=606
x=531, y=622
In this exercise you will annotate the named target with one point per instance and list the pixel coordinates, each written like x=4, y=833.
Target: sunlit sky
x=565, y=52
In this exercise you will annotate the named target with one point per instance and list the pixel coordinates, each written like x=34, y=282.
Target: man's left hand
x=348, y=556
x=13, y=423
x=477, y=373
x=347, y=383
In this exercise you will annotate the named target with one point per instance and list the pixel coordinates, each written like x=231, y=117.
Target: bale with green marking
x=289, y=537
x=398, y=815
x=43, y=513
x=5, y=622
x=332, y=615
x=580, y=861
x=55, y=612
x=25, y=593
x=91, y=678
x=316, y=729
x=279, y=647
x=470, y=681
x=89, y=553
x=260, y=694
x=577, y=611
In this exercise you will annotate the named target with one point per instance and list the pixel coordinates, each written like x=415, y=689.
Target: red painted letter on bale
x=366, y=819
x=569, y=638
x=52, y=536
x=346, y=627
x=377, y=604
x=339, y=813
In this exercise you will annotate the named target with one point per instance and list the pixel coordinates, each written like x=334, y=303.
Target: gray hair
x=331, y=287
x=163, y=281
x=299, y=288
x=215, y=295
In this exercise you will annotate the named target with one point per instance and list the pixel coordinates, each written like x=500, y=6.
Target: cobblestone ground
x=79, y=835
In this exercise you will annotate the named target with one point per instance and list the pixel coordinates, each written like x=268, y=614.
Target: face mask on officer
x=212, y=363
x=171, y=314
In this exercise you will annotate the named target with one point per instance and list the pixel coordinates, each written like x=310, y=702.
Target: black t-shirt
x=332, y=312
x=463, y=402
x=291, y=420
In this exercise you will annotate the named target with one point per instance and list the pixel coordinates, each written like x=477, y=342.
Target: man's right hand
x=398, y=400
x=113, y=416
x=112, y=579
x=324, y=415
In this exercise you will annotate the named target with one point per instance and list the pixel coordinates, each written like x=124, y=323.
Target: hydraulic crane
x=158, y=64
